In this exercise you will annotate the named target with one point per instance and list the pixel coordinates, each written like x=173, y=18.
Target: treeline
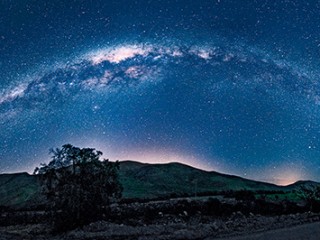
x=238, y=195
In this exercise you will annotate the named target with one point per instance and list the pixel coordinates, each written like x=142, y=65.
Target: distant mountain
x=141, y=180
x=152, y=180
x=299, y=184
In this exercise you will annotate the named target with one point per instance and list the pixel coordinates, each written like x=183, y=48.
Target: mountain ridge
x=218, y=173
x=146, y=181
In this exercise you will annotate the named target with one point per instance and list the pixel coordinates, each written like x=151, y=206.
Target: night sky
x=224, y=85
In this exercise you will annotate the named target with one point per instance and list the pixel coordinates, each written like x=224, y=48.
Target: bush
x=311, y=195
x=244, y=195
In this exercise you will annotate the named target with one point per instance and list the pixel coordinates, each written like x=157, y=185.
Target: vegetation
x=244, y=195
x=311, y=195
x=142, y=182
x=78, y=185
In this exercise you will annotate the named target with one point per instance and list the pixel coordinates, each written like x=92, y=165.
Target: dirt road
x=309, y=231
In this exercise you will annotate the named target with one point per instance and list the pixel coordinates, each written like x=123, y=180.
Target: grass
x=291, y=196
x=149, y=181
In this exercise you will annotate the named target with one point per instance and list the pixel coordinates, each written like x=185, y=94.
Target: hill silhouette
x=142, y=180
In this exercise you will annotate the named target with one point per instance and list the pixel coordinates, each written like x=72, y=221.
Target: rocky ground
x=178, y=227
x=309, y=231
x=201, y=218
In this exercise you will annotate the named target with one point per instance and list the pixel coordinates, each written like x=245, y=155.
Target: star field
x=218, y=85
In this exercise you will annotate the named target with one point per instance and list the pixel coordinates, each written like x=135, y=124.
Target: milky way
x=214, y=101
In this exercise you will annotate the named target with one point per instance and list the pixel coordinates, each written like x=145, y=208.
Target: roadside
x=309, y=231
x=183, y=227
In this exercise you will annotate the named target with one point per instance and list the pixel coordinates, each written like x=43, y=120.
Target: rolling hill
x=141, y=180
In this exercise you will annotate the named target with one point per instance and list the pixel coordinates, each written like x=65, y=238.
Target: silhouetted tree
x=78, y=185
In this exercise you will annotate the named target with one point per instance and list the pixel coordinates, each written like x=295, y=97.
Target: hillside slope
x=18, y=189
x=152, y=180
x=141, y=180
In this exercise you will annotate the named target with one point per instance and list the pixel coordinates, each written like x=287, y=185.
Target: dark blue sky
x=224, y=85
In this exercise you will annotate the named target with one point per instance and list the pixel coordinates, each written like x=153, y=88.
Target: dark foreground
x=309, y=231
x=197, y=218
x=182, y=226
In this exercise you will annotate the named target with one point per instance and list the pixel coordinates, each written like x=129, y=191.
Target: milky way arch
x=217, y=106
